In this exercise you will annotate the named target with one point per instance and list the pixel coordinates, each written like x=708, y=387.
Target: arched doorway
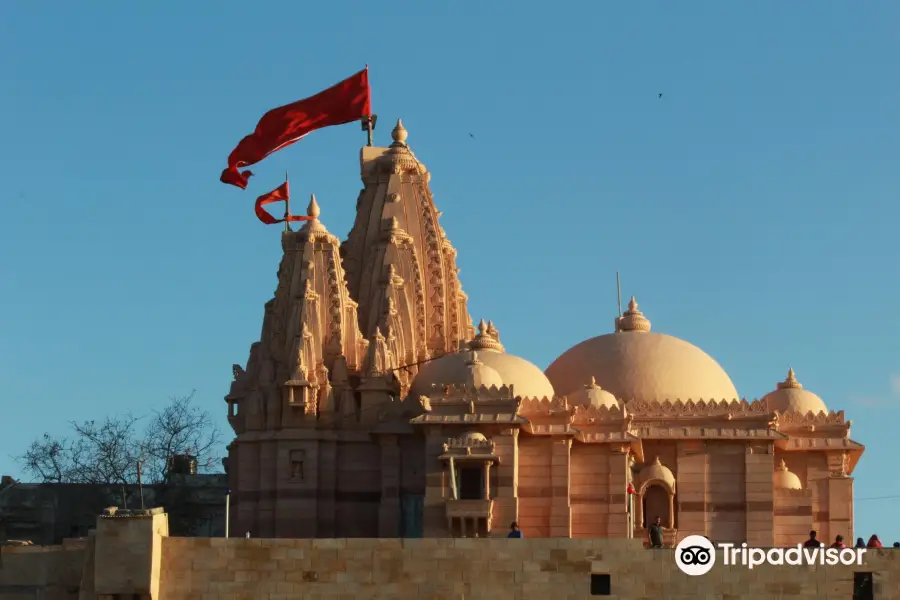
x=656, y=504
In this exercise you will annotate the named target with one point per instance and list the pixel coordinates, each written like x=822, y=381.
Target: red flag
x=282, y=192
x=345, y=102
x=630, y=488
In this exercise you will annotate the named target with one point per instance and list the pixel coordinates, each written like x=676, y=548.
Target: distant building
x=371, y=406
x=45, y=513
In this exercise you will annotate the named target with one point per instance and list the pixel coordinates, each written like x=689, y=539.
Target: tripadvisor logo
x=696, y=555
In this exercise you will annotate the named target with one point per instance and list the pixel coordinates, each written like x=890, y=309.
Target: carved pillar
x=327, y=486
x=693, y=488
x=818, y=474
x=671, y=524
x=434, y=513
x=246, y=511
x=617, y=523
x=639, y=511
x=487, y=480
x=560, y=477
x=506, y=503
x=268, y=484
x=759, y=466
x=840, y=498
x=389, y=510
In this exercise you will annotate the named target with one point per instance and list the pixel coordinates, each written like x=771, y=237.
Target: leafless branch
x=108, y=451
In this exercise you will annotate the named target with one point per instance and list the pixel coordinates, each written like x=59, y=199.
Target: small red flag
x=630, y=488
x=281, y=193
x=345, y=102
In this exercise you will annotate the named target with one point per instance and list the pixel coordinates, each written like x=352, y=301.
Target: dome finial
x=399, y=133
x=593, y=384
x=487, y=338
x=313, y=209
x=633, y=319
x=790, y=382
x=782, y=466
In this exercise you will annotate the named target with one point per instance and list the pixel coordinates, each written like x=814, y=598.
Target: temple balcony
x=470, y=518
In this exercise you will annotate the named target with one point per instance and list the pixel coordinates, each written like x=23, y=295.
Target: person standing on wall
x=514, y=531
x=656, y=533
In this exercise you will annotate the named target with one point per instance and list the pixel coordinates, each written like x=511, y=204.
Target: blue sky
x=752, y=209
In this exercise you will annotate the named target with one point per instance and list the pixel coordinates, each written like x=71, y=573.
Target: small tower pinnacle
x=313, y=209
x=399, y=133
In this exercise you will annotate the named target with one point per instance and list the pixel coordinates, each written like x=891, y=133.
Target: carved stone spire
x=633, y=319
x=310, y=323
x=397, y=226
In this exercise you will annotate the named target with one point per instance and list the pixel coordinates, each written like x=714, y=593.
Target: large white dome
x=635, y=364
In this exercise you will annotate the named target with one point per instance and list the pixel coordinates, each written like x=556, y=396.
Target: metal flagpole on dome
x=619, y=298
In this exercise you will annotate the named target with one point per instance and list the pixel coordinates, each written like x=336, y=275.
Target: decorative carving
x=668, y=409
x=556, y=406
x=795, y=419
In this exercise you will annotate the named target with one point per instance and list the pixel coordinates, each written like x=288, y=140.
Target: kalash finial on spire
x=312, y=212
x=313, y=209
x=399, y=133
x=790, y=382
x=633, y=319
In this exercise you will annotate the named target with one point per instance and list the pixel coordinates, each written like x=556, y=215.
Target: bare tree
x=108, y=451
x=180, y=428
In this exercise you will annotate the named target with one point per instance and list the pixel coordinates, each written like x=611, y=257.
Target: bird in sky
x=660, y=94
x=471, y=136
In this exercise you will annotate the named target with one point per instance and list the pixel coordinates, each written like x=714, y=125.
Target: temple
x=372, y=406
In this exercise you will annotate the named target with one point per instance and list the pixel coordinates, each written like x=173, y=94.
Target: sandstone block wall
x=488, y=569
x=46, y=572
x=167, y=568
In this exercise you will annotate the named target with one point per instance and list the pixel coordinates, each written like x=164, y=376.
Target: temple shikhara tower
x=373, y=406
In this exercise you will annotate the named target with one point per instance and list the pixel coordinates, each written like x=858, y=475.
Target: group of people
x=655, y=531
x=873, y=542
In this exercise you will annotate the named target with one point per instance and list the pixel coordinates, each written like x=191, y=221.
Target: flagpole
x=287, y=206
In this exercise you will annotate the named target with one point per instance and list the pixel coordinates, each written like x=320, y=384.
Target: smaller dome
x=594, y=395
x=785, y=480
x=656, y=472
x=479, y=374
x=791, y=397
x=525, y=378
